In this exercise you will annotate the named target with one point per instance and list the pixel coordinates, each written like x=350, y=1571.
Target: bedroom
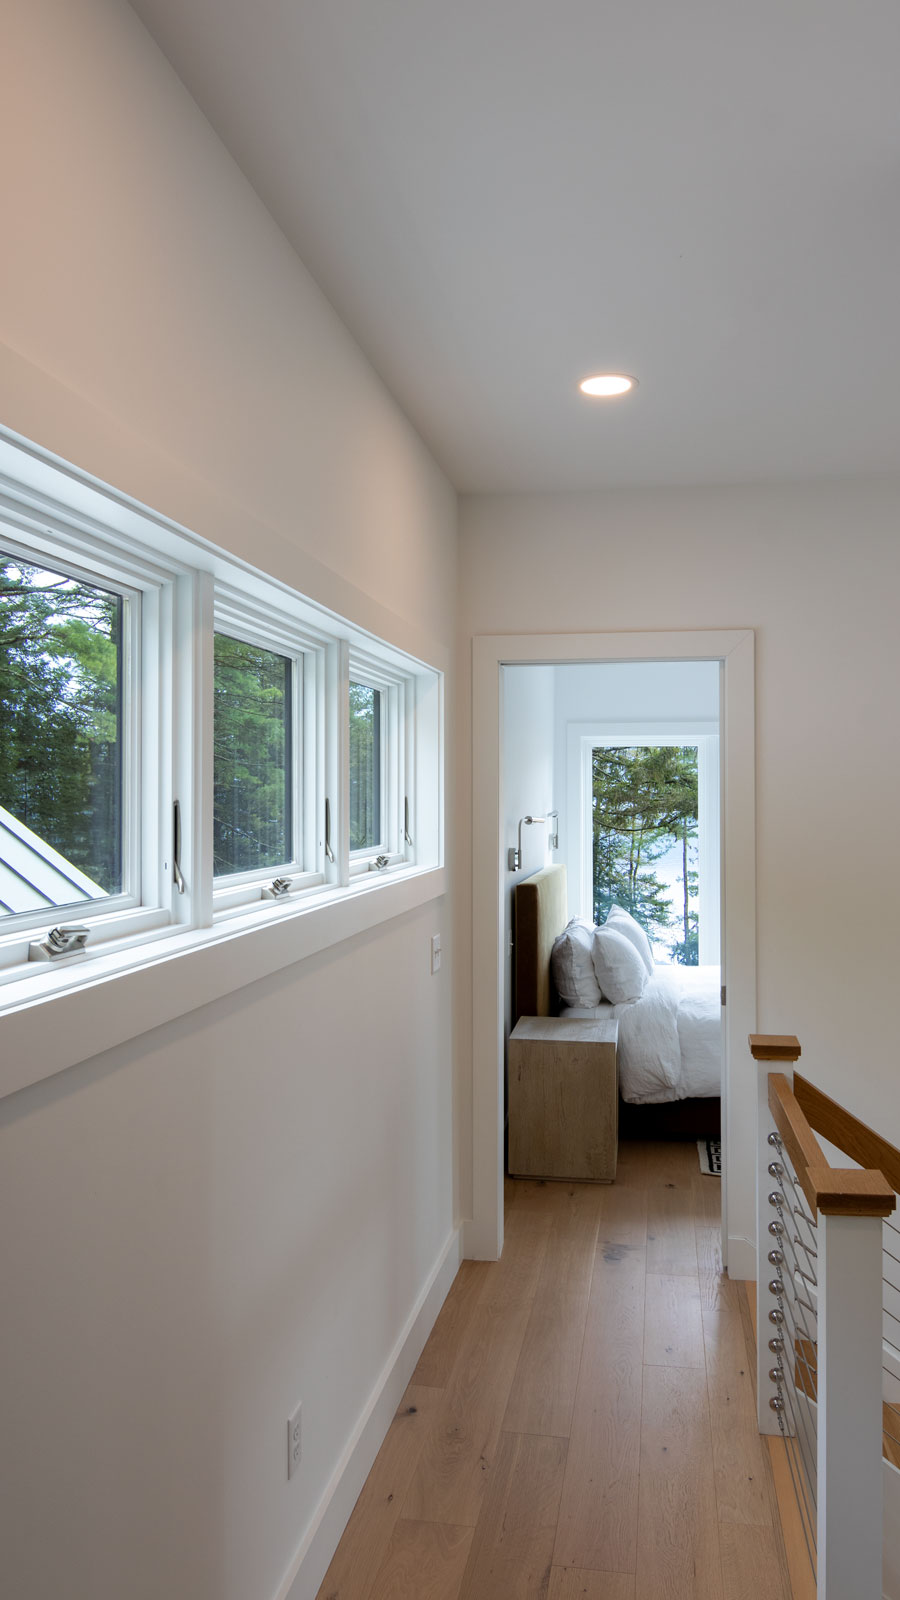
x=189, y=1215
x=554, y=719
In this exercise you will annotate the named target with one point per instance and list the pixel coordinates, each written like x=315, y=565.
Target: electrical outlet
x=295, y=1442
x=435, y=953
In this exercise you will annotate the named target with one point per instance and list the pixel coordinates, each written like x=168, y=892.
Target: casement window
x=183, y=740
x=86, y=737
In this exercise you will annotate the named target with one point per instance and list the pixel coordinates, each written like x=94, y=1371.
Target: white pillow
x=620, y=971
x=572, y=965
x=623, y=922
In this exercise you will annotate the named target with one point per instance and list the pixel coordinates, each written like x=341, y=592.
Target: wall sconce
x=515, y=851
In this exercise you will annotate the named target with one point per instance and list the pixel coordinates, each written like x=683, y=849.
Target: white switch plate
x=295, y=1442
x=435, y=952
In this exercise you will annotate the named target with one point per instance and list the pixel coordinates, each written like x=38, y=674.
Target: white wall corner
x=741, y=1258
x=313, y=1556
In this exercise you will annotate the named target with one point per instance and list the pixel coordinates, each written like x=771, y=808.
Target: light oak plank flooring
x=581, y=1423
x=678, y=1535
x=673, y=1327
x=568, y=1583
x=513, y=1542
x=425, y=1561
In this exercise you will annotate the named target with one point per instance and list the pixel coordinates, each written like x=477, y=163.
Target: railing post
x=850, y=1487
x=772, y=1053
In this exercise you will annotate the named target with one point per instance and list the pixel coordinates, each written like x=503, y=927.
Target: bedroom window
x=650, y=834
x=644, y=842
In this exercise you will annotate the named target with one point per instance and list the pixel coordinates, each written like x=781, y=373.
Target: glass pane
x=252, y=758
x=61, y=741
x=365, y=767
x=645, y=843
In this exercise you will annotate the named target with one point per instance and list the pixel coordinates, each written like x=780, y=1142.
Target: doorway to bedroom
x=623, y=761
x=576, y=742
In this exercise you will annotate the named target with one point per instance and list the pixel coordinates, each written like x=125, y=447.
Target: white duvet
x=670, y=1041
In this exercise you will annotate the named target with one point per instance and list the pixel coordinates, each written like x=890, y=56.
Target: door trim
x=734, y=648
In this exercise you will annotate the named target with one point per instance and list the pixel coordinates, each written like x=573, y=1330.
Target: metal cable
x=791, y=1306
x=805, y=1431
x=803, y=1451
x=799, y=1359
x=885, y=1251
x=808, y=1332
x=802, y=1505
x=807, y=1522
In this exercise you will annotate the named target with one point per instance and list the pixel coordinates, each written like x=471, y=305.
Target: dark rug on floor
x=710, y=1153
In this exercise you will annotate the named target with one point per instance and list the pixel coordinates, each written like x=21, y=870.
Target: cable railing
x=829, y=1300
x=794, y=1333
x=890, y=1415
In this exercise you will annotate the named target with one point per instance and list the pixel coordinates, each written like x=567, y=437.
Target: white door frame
x=734, y=649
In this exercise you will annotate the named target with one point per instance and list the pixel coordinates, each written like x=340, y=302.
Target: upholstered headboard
x=541, y=914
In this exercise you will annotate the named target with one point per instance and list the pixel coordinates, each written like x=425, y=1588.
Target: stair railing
x=820, y=1315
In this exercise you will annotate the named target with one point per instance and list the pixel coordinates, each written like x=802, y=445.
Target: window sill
x=68, y=1013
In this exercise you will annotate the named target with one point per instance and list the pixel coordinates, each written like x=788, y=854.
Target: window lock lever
x=176, y=848
x=60, y=943
x=328, y=850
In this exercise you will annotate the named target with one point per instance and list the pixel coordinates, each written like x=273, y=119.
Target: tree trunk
x=684, y=868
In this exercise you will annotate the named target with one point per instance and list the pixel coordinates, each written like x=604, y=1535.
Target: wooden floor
x=582, y=1422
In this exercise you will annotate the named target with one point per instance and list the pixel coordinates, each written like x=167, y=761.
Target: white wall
x=527, y=783
x=815, y=570
x=637, y=691
x=240, y=1209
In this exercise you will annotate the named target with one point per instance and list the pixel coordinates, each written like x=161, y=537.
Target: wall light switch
x=435, y=953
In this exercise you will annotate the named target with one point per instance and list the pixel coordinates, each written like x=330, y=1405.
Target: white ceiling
x=501, y=196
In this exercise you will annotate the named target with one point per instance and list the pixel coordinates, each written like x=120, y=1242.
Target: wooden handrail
x=835, y=1191
x=841, y=1128
x=774, y=1047
x=797, y=1136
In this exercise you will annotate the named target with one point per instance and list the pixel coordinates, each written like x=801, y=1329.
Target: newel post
x=772, y=1053
x=850, y=1471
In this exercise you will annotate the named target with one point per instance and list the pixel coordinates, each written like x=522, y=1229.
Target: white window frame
x=149, y=726
x=148, y=964
x=396, y=774
x=582, y=738
x=275, y=630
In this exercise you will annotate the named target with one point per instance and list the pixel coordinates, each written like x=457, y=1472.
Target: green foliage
x=252, y=757
x=60, y=761
x=644, y=798
x=365, y=759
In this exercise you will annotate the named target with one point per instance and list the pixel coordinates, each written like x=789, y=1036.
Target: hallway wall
x=241, y=1209
x=814, y=569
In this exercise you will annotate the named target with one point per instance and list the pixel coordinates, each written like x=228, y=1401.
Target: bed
x=669, y=1040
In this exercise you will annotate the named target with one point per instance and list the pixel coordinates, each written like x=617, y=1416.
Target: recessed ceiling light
x=608, y=384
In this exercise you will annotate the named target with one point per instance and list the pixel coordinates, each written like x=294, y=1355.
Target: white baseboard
x=310, y=1563
x=478, y=1242
x=741, y=1257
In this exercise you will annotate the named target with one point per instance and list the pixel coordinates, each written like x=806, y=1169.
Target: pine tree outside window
x=62, y=739
x=365, y=767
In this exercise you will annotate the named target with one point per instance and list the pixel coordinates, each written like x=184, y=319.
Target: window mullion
x=337, y=761
x=390, y=829
x=193, y=749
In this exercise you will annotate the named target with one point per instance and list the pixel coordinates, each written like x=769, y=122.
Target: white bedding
x=670, y=1041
